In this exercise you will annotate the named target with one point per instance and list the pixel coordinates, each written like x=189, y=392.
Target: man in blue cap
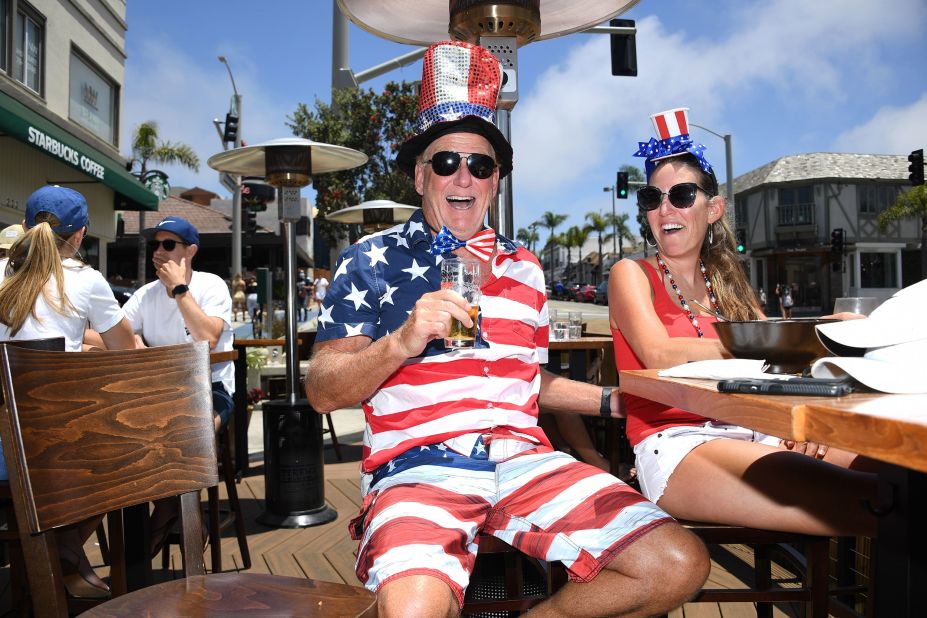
x=183, y=305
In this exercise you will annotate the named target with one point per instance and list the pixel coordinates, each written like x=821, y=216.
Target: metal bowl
x=789, y=346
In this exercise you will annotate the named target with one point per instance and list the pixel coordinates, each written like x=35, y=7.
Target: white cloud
x=893, y=130
x=183, y=95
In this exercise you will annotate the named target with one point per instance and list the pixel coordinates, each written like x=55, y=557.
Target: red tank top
x=646, y=417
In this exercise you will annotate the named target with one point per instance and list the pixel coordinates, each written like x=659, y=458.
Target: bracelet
x=605, y=407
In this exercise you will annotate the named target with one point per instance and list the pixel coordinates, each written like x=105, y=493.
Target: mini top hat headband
x=673, y=128
x=460, y=87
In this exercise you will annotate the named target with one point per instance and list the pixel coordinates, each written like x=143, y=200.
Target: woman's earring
x=711, y=233
x=649, y=238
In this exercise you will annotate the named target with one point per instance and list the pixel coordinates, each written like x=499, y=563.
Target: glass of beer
x=462, y=276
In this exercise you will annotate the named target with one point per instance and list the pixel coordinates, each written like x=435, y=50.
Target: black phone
x=818, y=387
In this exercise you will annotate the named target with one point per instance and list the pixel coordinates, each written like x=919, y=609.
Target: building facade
x=787, y=212
x=62, y=65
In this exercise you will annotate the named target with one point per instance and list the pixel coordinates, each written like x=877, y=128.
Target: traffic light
x=741, y=235
x=248, y=220
x=621, y=186
x=917, y=167
x=624, y=50
x=836, y=241
x=231, y=129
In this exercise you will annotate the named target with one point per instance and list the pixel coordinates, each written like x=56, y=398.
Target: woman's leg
x=750, y=484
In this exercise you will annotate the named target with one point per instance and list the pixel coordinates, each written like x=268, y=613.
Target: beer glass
x=462, y=276
x=862, y=305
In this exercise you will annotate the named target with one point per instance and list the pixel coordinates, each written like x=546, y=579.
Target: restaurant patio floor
x=326, y=552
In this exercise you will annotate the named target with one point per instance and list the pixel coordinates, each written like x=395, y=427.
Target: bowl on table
x=789, y=346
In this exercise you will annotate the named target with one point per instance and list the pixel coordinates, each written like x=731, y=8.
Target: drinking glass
x=462, y=276
x=576, y=324
x=862, y=305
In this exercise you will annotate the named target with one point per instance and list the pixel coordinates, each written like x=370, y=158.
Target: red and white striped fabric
x=440, y=397
x=671, y=123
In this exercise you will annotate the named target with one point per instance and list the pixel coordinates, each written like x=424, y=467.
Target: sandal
x=76, y=584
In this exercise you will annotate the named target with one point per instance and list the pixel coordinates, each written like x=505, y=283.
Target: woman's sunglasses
x=445, y=163
x=169, y=244
x=680, y=196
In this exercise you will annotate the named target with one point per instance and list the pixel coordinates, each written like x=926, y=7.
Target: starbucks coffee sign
x=64, y=152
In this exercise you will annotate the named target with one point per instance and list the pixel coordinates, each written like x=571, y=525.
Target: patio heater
x=374, y=215
x=501, y=26
x=293, y=462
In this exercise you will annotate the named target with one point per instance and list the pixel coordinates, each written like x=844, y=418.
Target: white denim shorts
x=658, y=454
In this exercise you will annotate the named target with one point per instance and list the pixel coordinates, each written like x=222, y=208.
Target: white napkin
x=722, y=369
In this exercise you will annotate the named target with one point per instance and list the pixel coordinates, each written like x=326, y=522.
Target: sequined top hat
x=460, y=86
x=673, y=128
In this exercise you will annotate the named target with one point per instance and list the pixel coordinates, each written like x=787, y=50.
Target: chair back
x=86, y=434
x=53, y=343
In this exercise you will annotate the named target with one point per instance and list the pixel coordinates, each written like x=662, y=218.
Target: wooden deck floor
x=326, y=552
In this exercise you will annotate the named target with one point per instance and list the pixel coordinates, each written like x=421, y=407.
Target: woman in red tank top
x=693, y=467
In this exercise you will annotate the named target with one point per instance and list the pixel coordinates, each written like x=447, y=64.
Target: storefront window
x=878, y=270
x=28, y=44
x=92, y=99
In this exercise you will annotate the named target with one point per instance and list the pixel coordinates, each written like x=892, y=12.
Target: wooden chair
x=505, y=580
x=811, y=562
x=86, y=434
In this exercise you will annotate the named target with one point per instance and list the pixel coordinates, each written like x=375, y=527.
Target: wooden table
x=888, y=428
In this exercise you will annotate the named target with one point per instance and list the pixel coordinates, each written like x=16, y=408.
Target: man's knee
x=416, y=595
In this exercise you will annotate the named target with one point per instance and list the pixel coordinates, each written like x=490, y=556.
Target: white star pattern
x=416, y=226
x=438, y=259
x=342, y=268
x=388, y=295
x=400, y=240
x=357, y=297
x=480, y=448
x=416, y=271
x=325, y=315
x=376, y=255
x=353, y=331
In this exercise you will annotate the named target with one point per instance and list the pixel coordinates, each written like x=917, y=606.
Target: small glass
x=576, y=324
x=559, y=330
x=862, y=305
x=462, y=276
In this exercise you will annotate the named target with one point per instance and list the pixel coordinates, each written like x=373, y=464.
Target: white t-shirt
x=321, y=286
x=157, y=318
x=91, y=296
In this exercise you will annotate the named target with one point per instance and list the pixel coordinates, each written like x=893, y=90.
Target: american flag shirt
x=444, y=396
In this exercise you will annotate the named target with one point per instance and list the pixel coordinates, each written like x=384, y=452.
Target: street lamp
x=614, y=221
x=729, y=160
x=235, y=110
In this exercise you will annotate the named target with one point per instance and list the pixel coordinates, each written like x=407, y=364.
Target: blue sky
x=782, y=77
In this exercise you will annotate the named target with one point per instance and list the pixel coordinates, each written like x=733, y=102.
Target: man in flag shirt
x=452, y=447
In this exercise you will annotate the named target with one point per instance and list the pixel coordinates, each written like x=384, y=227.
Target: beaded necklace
x=682, y=299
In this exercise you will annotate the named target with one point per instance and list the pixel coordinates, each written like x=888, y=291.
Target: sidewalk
x=348, y=424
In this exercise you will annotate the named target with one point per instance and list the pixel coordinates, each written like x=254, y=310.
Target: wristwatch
x=179, y=289
x=605, y=408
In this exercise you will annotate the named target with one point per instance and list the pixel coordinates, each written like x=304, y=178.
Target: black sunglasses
x=445, y=163
x=680, y=196
x=169, y=244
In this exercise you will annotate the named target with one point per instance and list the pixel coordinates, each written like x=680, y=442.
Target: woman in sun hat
x=46, y=291
x=694, y=467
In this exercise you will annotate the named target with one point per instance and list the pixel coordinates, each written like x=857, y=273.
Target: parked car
x=585, y=293
x=601, y=293
x=122, y=293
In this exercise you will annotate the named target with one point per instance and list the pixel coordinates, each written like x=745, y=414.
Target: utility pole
x=235, y=110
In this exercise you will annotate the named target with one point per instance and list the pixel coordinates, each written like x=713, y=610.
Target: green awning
x=20, y=122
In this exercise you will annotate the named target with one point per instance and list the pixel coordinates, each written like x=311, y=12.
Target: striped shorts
x=426, y=506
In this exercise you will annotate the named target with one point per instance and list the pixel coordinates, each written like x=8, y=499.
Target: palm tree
x=148, y=148
x=635, y=175
x=911, y=204
x=599, y=223
x=622, y=231
x=551, y=221
x=527, y=237
x=575, y=237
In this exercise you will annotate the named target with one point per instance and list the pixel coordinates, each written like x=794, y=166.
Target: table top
x=890, y=428
x=583, y=343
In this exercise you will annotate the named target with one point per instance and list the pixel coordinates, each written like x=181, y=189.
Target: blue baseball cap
x=175, y=225
x=67, y=205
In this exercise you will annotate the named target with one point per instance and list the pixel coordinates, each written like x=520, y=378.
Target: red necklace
x=682, y=299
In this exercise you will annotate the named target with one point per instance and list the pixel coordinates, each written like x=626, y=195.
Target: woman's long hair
x=736, y=299
x=34, y=260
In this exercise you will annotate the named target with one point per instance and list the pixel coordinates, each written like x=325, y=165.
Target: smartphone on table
x=815, y=387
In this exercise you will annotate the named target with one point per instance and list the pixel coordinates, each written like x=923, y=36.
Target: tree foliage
x=373, y=123
x=910, y=204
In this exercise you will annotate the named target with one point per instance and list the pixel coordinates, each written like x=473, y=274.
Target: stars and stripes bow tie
x=480, y=244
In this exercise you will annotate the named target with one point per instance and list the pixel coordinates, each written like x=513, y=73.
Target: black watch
x=179, y=289
x=605, y=408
